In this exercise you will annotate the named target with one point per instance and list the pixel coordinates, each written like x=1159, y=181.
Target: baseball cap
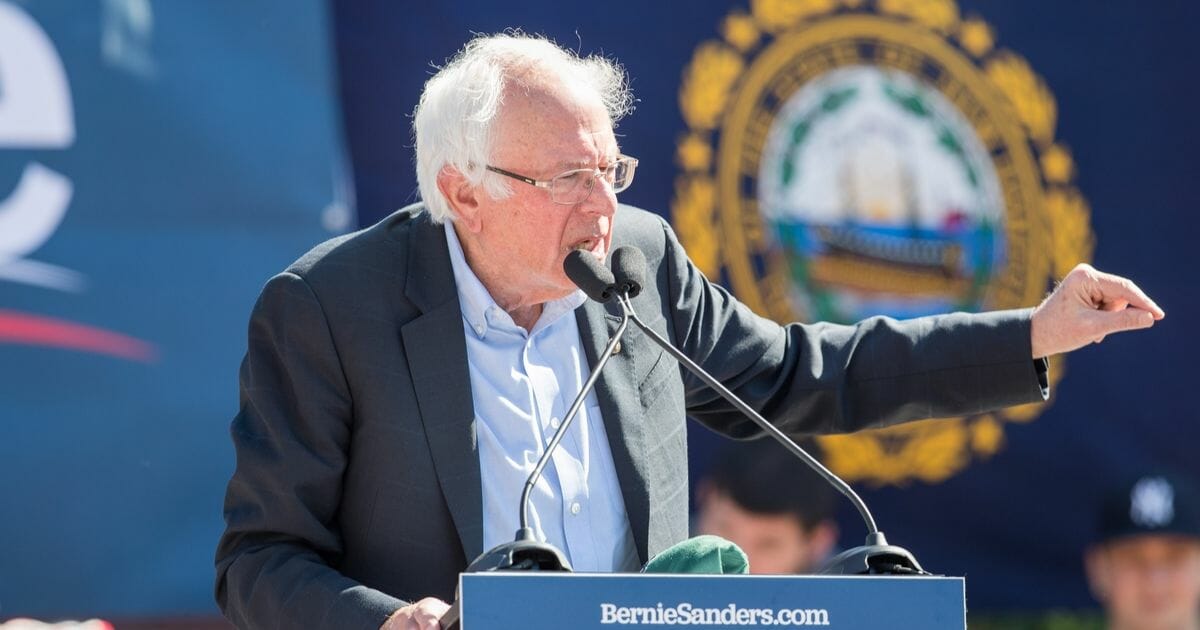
x=1150, y=504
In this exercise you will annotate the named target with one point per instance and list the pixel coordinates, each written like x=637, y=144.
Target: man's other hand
x=422, y=615
x=1086, y=307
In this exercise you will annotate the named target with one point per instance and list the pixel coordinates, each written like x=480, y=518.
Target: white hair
x=453, y=121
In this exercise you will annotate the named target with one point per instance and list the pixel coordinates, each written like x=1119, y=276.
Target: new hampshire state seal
x=850, y=158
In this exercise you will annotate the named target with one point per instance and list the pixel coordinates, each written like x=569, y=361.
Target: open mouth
x=592, y=244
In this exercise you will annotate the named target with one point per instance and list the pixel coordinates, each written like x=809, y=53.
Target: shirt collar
x=481, y=311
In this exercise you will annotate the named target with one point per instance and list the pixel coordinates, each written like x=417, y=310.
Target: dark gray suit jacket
x=358, y=486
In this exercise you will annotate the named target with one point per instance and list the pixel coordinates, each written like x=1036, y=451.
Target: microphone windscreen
x=589, y=274
x=629, y=269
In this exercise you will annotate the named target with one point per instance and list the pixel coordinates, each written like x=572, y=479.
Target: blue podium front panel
x=586, y=601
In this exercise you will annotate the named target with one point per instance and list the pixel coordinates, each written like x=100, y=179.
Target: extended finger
x=1131, y=318
x=1117, y=288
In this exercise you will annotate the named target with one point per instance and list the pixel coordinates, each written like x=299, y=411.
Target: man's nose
x=601, y=199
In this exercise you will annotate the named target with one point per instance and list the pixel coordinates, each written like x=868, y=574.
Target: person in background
x=764, y=500
x=1144, y=567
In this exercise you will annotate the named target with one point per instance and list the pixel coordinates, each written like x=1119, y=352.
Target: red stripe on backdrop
x=34, y=330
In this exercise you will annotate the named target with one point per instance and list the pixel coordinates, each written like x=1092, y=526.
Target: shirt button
x=554, y=423
x=575, y=508
x=617, y=348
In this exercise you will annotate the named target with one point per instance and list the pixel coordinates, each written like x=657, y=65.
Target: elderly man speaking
x=401, y=382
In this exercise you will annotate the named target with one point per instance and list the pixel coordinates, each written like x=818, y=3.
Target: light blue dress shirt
x=522, y=384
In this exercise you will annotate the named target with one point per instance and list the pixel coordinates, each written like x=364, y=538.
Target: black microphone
x=525, y=553
x=629, y=270
x=876, y=557
x=590, y=274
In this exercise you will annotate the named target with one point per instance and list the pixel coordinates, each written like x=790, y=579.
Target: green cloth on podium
x=702, y=554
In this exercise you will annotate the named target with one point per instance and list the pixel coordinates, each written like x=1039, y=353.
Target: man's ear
x=821, y=540
x=462, y=197
x=1095, y=564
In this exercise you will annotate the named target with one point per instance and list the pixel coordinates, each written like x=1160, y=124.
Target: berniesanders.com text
x=686, y=614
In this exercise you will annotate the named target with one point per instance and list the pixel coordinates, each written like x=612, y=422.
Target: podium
x=599, y=601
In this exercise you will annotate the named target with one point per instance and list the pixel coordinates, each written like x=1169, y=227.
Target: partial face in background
x=1148, y=582
x=776, y=544
x=541, y=132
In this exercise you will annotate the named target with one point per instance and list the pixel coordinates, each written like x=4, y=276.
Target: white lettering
x=35, y=104
x=684, y=613
x=35, y=112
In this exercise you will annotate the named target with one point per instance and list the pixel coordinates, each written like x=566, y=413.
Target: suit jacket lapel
x=620, y=405
x=437, y=360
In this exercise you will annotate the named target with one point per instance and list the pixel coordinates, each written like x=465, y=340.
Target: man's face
x=1148, y=582
x=774, y=543
x=542, y=132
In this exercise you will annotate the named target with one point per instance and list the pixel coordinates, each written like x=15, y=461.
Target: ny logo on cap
x=1152, y=502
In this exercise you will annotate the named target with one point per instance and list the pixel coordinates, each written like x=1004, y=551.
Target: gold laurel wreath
x=933, y=450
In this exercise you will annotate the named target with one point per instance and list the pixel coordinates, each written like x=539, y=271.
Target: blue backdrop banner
x=158, y=161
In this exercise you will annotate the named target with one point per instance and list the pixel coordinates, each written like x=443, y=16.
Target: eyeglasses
x=576, y=186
